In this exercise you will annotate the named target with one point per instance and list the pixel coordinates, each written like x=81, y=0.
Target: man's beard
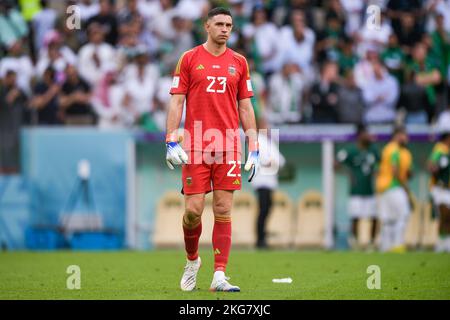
x=220, y=41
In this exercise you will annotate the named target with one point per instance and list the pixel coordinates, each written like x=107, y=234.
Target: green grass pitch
x=156, y=275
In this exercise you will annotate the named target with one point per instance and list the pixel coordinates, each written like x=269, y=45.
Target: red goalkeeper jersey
x=213, y=85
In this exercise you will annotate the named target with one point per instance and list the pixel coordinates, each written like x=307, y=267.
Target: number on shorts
x=234, y=164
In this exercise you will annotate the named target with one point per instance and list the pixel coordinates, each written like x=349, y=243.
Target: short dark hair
x=327, y=63
x=218, y=10
x=360, y=128
x=399, y=129
x=50, y=70
x=444, y=136
x=10, y=73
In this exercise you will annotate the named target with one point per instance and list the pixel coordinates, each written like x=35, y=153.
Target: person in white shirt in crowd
x=182, y=41
x=54, y=54
x=354, y=11
x=161, y=25
x=444, y=118
x=162, y=98
x=266, y=36
x=374, y=38
x=43, y=22
x=285, y=91
x=88, y=9
x=438, y=7
x=363, y=70
x=381, y=96
x=259, y=86
x=21, y=64
x=136, y=28
x=266, y=181
x=297, y=45
x=248, y=5
x=107, y=101
x=130, y=11
x=148, y=9
x=191, y=9
x=140, y=81
x=95, y=55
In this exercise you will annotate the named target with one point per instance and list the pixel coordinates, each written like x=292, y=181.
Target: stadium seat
x=279, y=229
x=243, y=219
x=169, y=213
x=244, y=214
x=430, y=226
x=412, y=232
x=310, y=223
x=168, y=233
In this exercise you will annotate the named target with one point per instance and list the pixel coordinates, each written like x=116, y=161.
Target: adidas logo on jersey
x=200, y=67
x=236, y=181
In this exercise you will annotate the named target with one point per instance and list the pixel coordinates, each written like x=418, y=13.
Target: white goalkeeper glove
x=175, y=154
x=252, y=163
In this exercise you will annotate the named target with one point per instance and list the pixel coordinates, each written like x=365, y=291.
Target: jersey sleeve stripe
x=246, y=63
x=178, y=68
x=248, y=69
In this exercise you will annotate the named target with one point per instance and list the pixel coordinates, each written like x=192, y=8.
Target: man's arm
x=174, y=114
x=175, y=153
x=42, y=99
x=66, y=100
x=395, y=161
x=432, y=163
x=248, y=121
x=430, y=78
x=341, y=159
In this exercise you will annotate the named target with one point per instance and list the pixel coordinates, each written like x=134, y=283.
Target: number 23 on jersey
x=216, y=84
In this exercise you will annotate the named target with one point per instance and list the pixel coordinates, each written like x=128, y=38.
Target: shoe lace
x=189, y=267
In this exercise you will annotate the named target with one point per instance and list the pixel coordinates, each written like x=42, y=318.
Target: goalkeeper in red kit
x=214, y=81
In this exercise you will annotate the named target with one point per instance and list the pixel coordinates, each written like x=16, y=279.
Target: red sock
x=191, y=238
x=221, y=240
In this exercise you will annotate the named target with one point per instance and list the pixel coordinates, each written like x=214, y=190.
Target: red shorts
x=211, y=171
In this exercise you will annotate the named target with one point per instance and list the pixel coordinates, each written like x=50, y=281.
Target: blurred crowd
x=312, y=61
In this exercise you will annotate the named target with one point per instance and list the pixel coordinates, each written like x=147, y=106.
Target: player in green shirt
x=347, y=59
x=393, y=58
x=439, y=167
x=362, y=162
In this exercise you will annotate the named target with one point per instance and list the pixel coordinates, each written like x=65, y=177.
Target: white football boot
x=189, y=279
x=220, y=283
